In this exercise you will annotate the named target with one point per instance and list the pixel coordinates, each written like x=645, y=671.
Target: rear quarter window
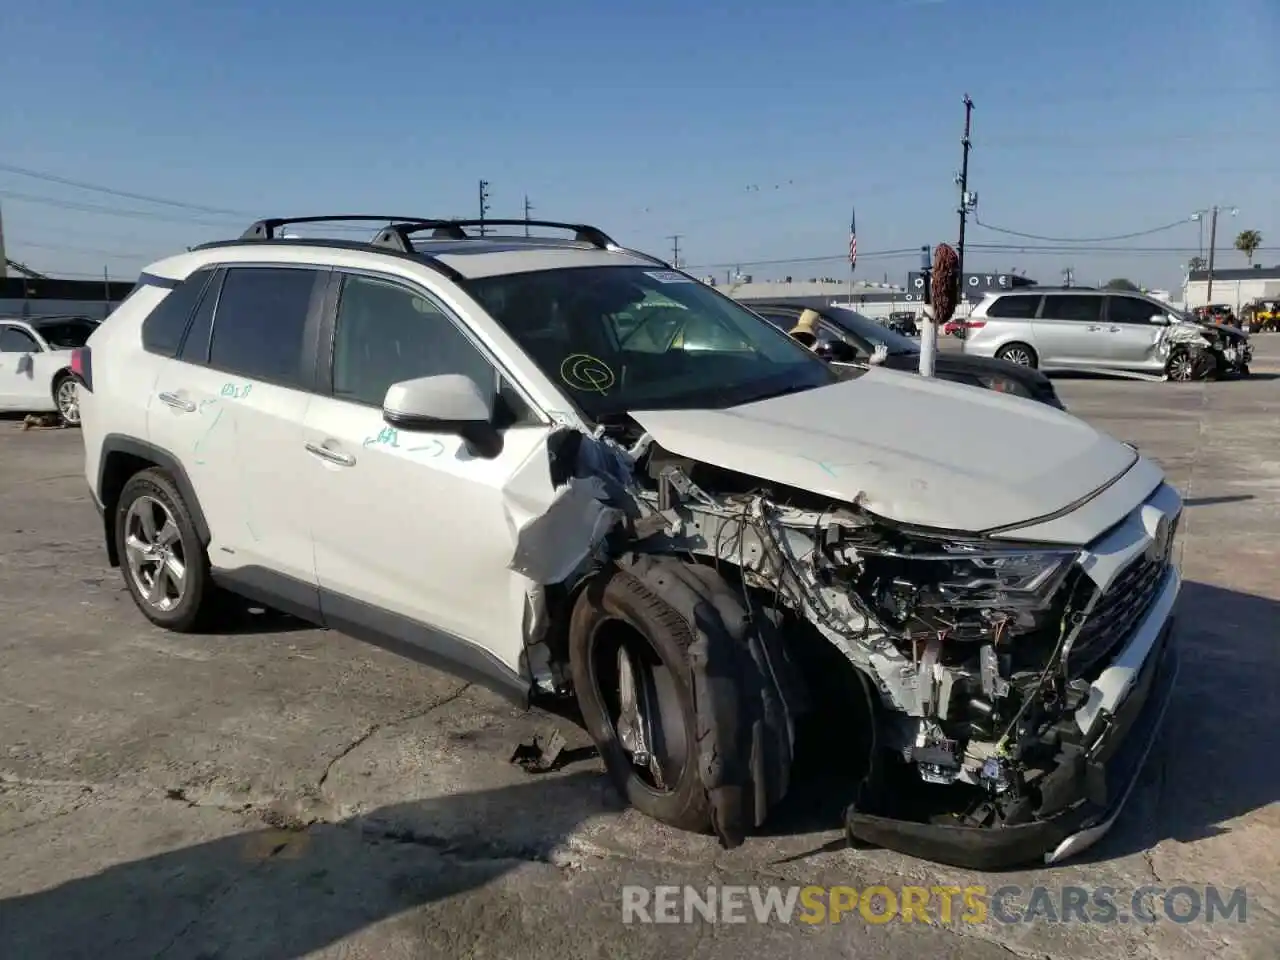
x=164, y=327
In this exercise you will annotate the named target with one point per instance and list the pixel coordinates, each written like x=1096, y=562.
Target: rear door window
x=260, y=324
x=16, y=340
x=1066, y=306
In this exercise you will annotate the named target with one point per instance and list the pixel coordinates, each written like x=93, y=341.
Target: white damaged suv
x=494, y=453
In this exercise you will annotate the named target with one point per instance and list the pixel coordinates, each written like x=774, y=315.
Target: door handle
x=333, y=456
x=175, y=401
x=1115, y=329
x=1094, y=326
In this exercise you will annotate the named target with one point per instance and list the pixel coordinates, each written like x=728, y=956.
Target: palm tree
x=1248, y=243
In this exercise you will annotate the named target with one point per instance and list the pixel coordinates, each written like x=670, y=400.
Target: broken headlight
x=904, y=583
x=996, y=578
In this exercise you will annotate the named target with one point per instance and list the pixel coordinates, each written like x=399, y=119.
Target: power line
x=85, y=207
x=112, y=191
x=95, y=251
x=1123, y=236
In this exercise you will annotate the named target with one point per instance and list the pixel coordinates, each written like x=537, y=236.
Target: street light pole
x=1213, y=244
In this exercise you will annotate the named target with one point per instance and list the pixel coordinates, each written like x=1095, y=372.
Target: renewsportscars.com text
x=938, y=904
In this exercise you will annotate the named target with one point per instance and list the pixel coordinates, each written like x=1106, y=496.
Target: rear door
x=1069, y=331
x=231, y=405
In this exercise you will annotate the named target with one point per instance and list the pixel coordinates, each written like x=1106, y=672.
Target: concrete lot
x=153, y=787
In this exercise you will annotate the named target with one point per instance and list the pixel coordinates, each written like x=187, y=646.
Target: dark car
x=846, y=337
x=903, y=322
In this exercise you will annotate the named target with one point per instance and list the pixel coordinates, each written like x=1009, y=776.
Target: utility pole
x=967, y=202
x=484, y=204
x=929, y=336
x=4, y=264
x=675, y=249
x=1068, y=276
x=1213, y=244
x=528, y=209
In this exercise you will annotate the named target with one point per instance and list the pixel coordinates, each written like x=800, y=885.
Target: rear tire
x=163, y=561
x=622, y=613
x=67, y=397
x=1020, y=353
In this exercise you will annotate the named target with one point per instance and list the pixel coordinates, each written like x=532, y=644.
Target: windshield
x=865, y=328
x=65, y=334
x=635, y=338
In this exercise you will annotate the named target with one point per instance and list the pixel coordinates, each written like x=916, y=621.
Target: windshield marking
x=582, y=371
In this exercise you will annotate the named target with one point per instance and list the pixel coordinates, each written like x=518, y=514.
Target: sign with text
x=975, y=284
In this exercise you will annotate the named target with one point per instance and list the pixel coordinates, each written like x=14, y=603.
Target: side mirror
x=1160, y=319
x=449, y=403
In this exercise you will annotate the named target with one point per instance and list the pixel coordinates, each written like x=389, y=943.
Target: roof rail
x=453, y=230
x=266, y=229
x=397, y=234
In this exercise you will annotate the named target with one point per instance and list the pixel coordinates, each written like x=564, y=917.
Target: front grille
x=1118, y=611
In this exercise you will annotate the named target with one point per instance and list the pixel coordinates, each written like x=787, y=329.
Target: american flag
x=853, y=239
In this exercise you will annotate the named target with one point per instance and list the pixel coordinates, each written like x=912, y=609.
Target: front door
x=413, y=533
x=1133, y=335
x=20, y=388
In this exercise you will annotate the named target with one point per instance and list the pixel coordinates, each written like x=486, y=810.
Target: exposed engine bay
x=978, y=655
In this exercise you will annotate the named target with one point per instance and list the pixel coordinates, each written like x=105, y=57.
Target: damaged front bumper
x=1124, y=713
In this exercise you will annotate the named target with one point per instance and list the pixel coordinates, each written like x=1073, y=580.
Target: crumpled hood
x=912, y=449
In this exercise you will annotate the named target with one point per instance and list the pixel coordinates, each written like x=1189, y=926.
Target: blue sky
x=749, y=131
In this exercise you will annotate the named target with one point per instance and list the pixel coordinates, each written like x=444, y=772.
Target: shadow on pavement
x=281, y=894
x=1216, y=759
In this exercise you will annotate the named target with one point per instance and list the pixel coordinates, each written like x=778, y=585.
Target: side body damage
x=993, y=665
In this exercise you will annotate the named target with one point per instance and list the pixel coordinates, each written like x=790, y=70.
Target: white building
x=1235, y=288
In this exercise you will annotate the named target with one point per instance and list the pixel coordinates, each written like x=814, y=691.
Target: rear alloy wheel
x=164, y=563
x=1017, y=353
x=66, y=394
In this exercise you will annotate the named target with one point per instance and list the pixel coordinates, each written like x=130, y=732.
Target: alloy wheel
x=1017, y=355
x=1181, y=368
x=68, y=399
x=153, y=548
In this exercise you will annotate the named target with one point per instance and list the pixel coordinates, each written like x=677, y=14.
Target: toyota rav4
x=496, y=454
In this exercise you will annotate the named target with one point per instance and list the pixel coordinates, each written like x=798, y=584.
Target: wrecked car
x=1196, y=349
x=482, y=452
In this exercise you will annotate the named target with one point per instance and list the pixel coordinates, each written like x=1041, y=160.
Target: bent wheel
x=628, y=655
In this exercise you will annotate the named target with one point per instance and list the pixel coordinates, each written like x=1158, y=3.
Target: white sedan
x=35, y=364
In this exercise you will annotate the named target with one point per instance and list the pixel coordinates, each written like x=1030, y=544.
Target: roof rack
x=397, y=234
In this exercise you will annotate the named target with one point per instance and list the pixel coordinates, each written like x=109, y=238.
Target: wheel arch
x=123, y=457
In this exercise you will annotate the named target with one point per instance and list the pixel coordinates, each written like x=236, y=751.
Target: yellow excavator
x=1262, y=315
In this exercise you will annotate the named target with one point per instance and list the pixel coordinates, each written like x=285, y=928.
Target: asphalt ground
x=283, y=792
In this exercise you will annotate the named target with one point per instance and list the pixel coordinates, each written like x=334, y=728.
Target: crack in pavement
x=382, y=725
